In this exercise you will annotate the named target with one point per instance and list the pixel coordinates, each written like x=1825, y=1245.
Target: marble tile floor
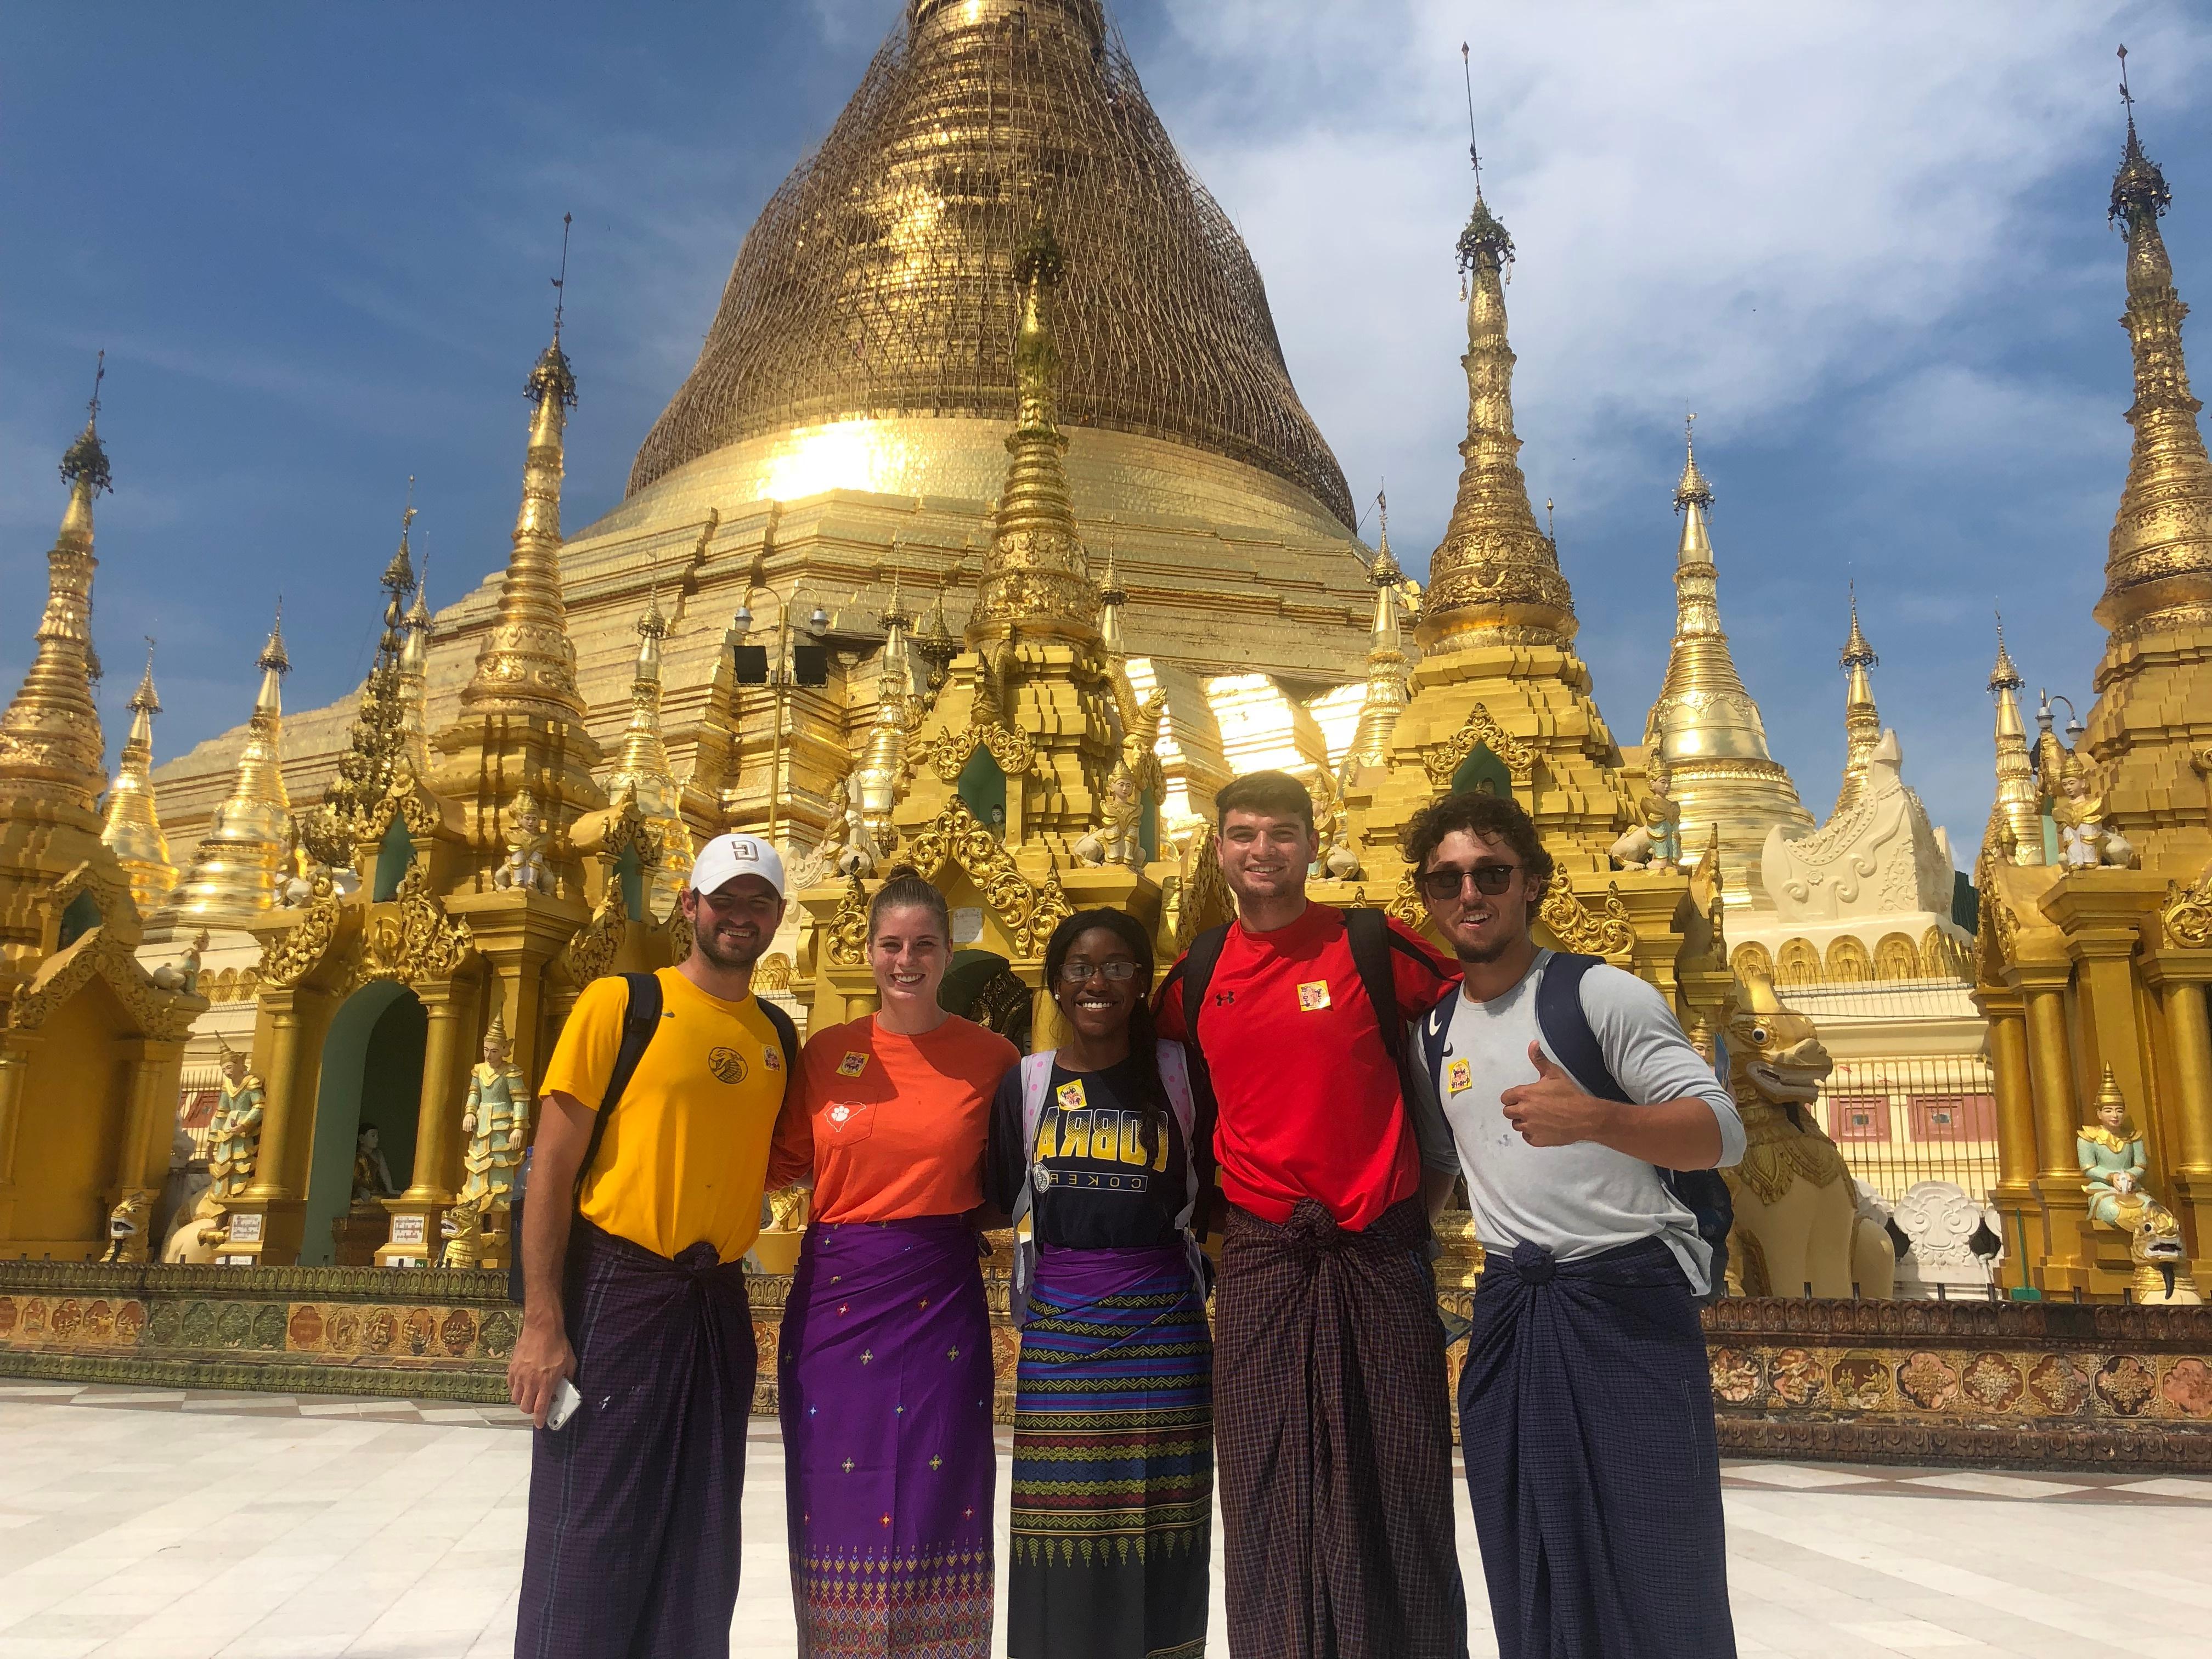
x=159, y=1524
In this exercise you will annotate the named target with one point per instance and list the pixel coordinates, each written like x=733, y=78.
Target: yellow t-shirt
x=685, y=1153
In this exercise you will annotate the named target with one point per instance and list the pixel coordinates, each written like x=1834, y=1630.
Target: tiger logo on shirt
x=726, y=1064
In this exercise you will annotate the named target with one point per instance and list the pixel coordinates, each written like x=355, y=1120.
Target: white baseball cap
x=728, y=856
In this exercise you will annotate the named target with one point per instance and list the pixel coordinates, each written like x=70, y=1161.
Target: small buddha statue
x=372, y=1175
x=1115, y=840
x=495, y=1119
x=1655, y=841
x=234, y=1147
x=2111, y=1151
x=524, y=870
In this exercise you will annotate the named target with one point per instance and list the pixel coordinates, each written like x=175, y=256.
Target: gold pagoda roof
x=879, y=280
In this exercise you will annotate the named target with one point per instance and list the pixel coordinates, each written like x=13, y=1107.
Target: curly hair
x=1486, y=817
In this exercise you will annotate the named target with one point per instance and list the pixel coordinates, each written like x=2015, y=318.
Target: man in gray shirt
x=1585, y=1404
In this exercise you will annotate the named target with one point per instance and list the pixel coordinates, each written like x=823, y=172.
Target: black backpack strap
x=1197, y=971
x=1566, y=1028
x=1567, y=1033
x=788, y=1035
x=639, y=1021
x=1368, y=934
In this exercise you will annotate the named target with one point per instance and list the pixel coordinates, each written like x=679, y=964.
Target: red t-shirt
x=1308, y=1100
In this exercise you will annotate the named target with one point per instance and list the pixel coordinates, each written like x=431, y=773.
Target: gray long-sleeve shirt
x=1575, y=1200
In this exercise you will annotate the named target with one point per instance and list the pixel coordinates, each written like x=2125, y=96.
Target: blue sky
x=1867, y=244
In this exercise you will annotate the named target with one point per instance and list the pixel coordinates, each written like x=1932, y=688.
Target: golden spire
x=643, y=767
x=1861, y=723
x=882, y=766
x=2016, y=817
x=1034, y=574
x=1495, y=577
x=1388, y=688
x=51, y=746
x=133, y=828
x=379, y=734
x=2158, y=571
x=1704, y=733
x=234, y=871
x=1112, y=596
x=414, y=676
x=527, y=663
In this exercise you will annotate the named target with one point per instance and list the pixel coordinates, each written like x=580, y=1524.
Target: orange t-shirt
x=890, y=1126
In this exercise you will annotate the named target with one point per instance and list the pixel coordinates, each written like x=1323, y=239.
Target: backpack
x=1566, y=1032
x=1037, y=1083
x=1368, y=934
x=641, y=1019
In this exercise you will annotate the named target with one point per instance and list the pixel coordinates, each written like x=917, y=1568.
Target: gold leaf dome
x=878, y=281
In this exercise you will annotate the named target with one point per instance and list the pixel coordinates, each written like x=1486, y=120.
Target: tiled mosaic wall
x=1894, y=1381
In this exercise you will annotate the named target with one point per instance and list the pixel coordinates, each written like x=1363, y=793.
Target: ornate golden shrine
x=2096, y=944
x=90, y=1043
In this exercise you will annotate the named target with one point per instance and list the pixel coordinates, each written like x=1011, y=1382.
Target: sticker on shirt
x=1071, y=1095
x=1459, y=1076
x=1313, y=995
x=772, y=1059
x=853, y=1065
x=727, y=1064
x=847, y=1121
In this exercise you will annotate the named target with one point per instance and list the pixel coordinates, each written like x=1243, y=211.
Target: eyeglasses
x=1442, y=884
x=1120, y=971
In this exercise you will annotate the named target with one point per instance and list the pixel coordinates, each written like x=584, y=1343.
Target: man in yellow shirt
x=637, y=1336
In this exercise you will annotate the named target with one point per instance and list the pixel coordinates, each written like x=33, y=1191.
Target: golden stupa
x=1704, y=734
x=843, y=435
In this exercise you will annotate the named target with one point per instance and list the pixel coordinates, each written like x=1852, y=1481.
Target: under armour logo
x=1223, y=998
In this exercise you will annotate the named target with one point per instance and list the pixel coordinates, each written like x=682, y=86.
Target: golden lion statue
x=126, y=1227
x=462, y=1228
x=2162, y=1261
x=1797, y=1220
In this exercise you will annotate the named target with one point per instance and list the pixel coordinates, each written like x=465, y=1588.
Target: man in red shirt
x=1329, y=1354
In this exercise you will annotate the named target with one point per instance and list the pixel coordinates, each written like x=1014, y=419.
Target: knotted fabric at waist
x=1641, y=1262
x=1312, y=1234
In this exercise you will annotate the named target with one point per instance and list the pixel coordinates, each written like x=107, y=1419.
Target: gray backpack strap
x=1037, y=1083
x=1174, y=1077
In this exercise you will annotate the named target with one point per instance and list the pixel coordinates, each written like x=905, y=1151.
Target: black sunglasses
x=1442, y=884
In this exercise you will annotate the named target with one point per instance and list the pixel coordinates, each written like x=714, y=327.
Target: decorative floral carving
x=302, y=948
x=849, y=928
x=160, y=1013
x=590, y=952
x=2186, y=916
x=1031, y=912
x=1578, y=928
x=1441, y=760
x=414, y=942
x=949, y=754
x=1406, y=903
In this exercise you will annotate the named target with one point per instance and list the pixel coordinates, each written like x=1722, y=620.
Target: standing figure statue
x=496, y=1119
x=235, y=1145
x=2085, y=840
x=524, y=869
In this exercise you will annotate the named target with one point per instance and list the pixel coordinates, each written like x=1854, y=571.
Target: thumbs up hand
x=1553, y=1111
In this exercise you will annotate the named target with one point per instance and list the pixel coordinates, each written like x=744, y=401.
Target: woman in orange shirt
x=884, y=1379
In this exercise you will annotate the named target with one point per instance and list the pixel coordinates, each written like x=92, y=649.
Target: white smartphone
x=565, y=1401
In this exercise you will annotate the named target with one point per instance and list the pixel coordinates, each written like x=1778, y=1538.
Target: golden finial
x=2140, y=195
x=1384, y=572
x=2004, y=676
x=399, y=574
x=1692, y=489
x=1857, y=653
x=552, y=378
x=1485, y=239
x=272, y=659
x=85, y=460
x=145, y=700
